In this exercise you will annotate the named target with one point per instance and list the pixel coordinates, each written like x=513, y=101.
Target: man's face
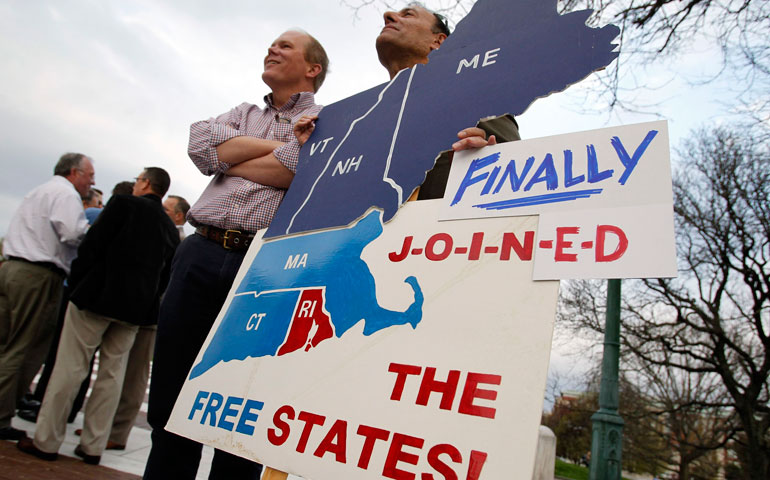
x=95, y=202
x=169, y=205
x=285, y=60
x=140, y=184
x=409, y=31
x=82, y=177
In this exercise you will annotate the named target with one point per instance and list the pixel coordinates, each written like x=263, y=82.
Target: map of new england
x=373, y=149
x=302, y=291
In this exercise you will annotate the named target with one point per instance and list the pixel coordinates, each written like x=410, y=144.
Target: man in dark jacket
x=121, y=270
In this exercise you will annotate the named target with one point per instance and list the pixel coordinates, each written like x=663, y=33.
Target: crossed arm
x=253, y=159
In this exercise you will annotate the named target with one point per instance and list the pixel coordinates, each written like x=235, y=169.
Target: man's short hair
x=440, y=25
x=92, y=192
x=315, y=53
x=159, y=180
x=182, y=205
x=67, y=162
x=123, y=188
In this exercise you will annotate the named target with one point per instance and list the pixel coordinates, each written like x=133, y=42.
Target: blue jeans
x=201, y=276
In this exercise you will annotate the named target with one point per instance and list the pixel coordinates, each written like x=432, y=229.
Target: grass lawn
x=570, y=470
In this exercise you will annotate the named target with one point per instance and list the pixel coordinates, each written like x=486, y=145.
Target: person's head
x=295, y=62
x=78, y=169
x=176, y=208
x=408, y=36
x=152, y=180
x=93, y=199
x=123, y=188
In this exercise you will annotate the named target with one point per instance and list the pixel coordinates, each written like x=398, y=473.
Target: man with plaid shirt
x=252, y=154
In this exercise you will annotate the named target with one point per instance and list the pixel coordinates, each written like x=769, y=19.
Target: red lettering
x=472, y=392
x=401, y=372
x=476, y=464
x=561, y=244
x=435, y=461
x=430, y=246
x=511, y=242
x=371, y=434
x=476, y=241
x=601, y=234
x=335, y=441
x=311, y=420
x=447, y=389
x=396, y=454
x=397, y=257
x=272, y=436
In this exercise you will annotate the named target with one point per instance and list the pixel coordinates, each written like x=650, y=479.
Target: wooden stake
x=271, y=474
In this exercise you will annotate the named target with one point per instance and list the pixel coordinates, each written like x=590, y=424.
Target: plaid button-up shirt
x=233, y=202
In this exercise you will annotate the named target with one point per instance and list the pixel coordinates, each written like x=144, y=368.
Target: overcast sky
x=121, y=82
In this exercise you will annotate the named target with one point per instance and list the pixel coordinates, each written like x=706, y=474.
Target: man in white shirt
x=41, y=242
x=176, y=208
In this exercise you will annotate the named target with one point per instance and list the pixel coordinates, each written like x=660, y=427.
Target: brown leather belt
x=228, y=239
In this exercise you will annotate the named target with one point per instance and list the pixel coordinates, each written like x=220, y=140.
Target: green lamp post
x=607, y=433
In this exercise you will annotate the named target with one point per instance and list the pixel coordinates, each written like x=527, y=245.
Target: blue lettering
x=247, y=416
x=630, y=162
x=510, y=171
x=594, y=175
x=546, y=172
x=215, y=401
x=490, y=180
x=569, y=180
x=469, y=179
x=198, y=403
x=228, y=411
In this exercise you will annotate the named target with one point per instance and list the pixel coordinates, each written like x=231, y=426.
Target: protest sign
x=603, y=196
x=337, y=355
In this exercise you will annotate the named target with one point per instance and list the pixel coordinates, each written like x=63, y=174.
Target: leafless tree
x=656, y=29
x=712, y=323
x=688, y=412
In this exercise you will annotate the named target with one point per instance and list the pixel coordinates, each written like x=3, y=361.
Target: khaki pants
x=134, y=384
x=83, y=332
x=29, y=299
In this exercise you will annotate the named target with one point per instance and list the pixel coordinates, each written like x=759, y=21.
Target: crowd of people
x=137, y=294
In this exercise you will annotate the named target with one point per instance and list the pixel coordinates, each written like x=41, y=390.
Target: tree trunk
x=756, y=461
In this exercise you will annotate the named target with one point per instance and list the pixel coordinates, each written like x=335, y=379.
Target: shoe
x=89, y=459
x=27, y=446
x=10, y=433
x=114, y=446
x=28, y=403
x=28, y=415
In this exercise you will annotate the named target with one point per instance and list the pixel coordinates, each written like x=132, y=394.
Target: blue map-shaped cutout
x=502, y=56
x=282, y=270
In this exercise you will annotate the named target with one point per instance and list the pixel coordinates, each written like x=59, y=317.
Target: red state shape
x=310, y=324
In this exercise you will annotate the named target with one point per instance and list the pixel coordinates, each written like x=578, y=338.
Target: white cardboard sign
x=415, y=349
x=591, y=189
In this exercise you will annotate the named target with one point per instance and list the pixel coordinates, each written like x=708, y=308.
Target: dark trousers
x=201, y=276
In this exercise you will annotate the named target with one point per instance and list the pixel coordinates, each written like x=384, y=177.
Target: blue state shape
x=237, y=340
x=398, y=128
x=332, y=260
